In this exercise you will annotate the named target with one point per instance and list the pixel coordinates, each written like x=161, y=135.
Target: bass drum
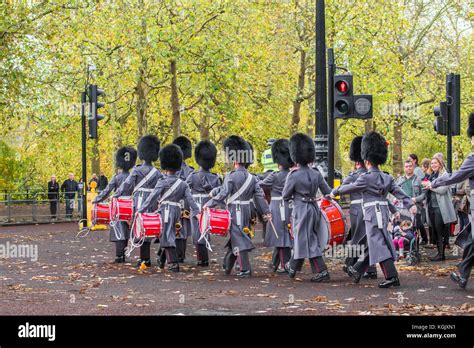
x=100, y=214
x=334, y=217
x=121, y=209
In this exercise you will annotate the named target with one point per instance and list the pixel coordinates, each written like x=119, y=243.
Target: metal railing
x=35, y=207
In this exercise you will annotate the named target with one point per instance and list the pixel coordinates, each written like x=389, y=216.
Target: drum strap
x=241, y=190
x=168, y=203
x=145, y=179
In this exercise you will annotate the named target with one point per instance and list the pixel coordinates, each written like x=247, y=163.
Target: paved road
x=77, y=276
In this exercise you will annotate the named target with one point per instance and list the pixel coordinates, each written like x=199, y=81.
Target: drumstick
x=273, y=227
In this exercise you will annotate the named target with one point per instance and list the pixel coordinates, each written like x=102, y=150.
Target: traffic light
x=94, y=105
x=343, y=96
x=363, y=106
x=453, y=102
x=441, y=121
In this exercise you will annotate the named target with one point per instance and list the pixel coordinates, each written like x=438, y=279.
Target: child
x=183, y=173
x=140, y=183
x=125, y=159
x=309, y=227
x=238, y=189
x=168, y=193
x=402, y=235
x=280, y=209
x=201, y=183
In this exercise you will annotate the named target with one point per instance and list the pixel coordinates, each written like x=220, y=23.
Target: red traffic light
x=342, y=87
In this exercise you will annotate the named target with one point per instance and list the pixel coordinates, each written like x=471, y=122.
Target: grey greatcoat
x=183, y=174
x=280, y=209
x=201, y=183
x=355, y=210
x=465, y=172
x=138, y=173
x=374, y=187
x=121, y=230
x=232, y=183
x=309, y=227
x=170, y=209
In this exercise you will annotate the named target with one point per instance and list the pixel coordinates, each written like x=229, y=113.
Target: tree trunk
x=176, y=119
x=397, y=165
x=142, y=103
x=204, y=124
x=295, y=120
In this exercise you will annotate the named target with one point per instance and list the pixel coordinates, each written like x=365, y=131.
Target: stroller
x=412, y=255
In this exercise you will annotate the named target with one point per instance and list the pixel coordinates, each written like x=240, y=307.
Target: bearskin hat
x=185, y=145
x=281, y=153
x=374, y=148
x=205, y=154
x=249, y=158
x=355, y=150
x=148, y=148
x=171, y=157
x=125, y=158
x=470, y=126
x=302, y=149
x=237, y=149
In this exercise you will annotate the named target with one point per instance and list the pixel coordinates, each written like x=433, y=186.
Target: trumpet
x=185, y=214
x=249, y=232
x=178, y=226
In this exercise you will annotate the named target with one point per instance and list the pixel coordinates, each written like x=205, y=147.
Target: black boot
x=120, y=259
x=344, y=269
x=370, y=275
x=161, y=260
x=321, y=277
x=227, y=271
x=203, y=263
x=394, y=281
x=173, y=267
x=354, y=274
x=291, y=272
x=440, y=255
x=462, y=282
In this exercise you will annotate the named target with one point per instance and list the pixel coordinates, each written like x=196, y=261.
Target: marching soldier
x=238, y=189
x=119, y=233
x=358, y=236
x=309, y=228
x=374, y=187
x=201, y=183
x=168, y=194
x=280, y=238
x=141, y=182
x=465, y=172
x=186, y=228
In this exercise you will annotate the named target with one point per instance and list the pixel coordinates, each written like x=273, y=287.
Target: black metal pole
x=449, y=103
x=84, y=164
x=331, y=121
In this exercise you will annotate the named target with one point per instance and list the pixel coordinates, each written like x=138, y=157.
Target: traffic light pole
x=331, y=121
x=84, y=165
x=449, y=133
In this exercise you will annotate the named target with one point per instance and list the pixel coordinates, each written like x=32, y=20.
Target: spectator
x=94, y=178
x=53, y=196
x=69, y=187
x=426, y=168
x=80, y=195
x=402, y=236
x=103, y=181
x=440, y=207
x=416, y=169
x=462, y=203
x=411, y=185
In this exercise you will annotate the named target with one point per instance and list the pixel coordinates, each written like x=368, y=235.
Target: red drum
x=148, y=225
x=215, y=221
x=335, y=218
x=121, y=209
x=100, y=214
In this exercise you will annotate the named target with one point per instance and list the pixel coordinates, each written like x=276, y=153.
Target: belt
x=277, y=198
x=200, y=195
x=145, y=190
x=357, y=201
x=306, y=199
x=372, y=204
x=176, y=204
x=240, y=202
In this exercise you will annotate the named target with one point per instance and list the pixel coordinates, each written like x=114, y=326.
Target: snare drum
x=100, y=214
x=121, y=209
x=335, y=219
x=147, y=225
x=215, y=221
